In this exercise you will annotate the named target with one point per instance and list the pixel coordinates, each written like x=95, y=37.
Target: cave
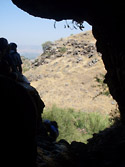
x=107, y=21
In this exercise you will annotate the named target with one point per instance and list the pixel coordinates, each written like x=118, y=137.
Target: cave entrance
x=72, y=71
x=69, y=77
x=105, y=148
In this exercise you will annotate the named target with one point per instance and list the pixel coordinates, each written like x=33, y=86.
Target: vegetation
x=26, y=64
x=62, y=50
x=46, y=45
x=25, y=69
x=101, y=84
x=77, y=126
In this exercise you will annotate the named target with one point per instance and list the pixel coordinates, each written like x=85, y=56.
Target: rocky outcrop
x=77, y=46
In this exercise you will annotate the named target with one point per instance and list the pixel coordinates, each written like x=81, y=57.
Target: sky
x=31, y=32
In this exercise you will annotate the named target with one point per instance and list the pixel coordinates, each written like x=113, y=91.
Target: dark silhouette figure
x=7, y=62
x=3, y=47
x=21, y=109
x=15, y=62
x=5, y=68
x=14, y=58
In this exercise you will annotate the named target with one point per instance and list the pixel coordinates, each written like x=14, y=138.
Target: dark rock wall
x=18, y=124
x=112, y=49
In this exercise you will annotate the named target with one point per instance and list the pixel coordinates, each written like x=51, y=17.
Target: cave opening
x=74, y=73
x=104, y=149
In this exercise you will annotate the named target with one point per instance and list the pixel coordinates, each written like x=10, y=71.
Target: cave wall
x=18, y=124
x=107, y=20
x=112, y=49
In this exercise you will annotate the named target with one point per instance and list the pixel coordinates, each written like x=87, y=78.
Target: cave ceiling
x=94, y=12
x=107, y=16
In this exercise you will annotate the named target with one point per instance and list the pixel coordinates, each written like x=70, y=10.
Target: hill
x=70, y=74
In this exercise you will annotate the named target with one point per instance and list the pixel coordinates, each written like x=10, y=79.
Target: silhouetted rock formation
x=18, y=113
x=107, y=19
x=21, y=109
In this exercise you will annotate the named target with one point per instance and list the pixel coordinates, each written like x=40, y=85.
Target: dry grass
x=69, y=84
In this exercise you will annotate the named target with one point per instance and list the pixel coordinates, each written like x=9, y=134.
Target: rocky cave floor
x=105, y=149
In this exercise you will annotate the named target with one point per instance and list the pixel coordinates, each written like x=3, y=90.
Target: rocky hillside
x=70, y=73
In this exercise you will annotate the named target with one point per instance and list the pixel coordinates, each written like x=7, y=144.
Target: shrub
x=105, y=89
x=76, y=126
x=62, y=50
x=46, y=45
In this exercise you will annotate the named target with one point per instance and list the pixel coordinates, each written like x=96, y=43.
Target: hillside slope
x=66, y=73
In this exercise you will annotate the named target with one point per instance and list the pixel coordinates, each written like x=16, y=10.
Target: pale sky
x=26, y=30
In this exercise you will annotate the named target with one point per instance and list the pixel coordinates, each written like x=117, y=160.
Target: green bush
x=46, y=45
x=76, y=126
x=62, y=50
